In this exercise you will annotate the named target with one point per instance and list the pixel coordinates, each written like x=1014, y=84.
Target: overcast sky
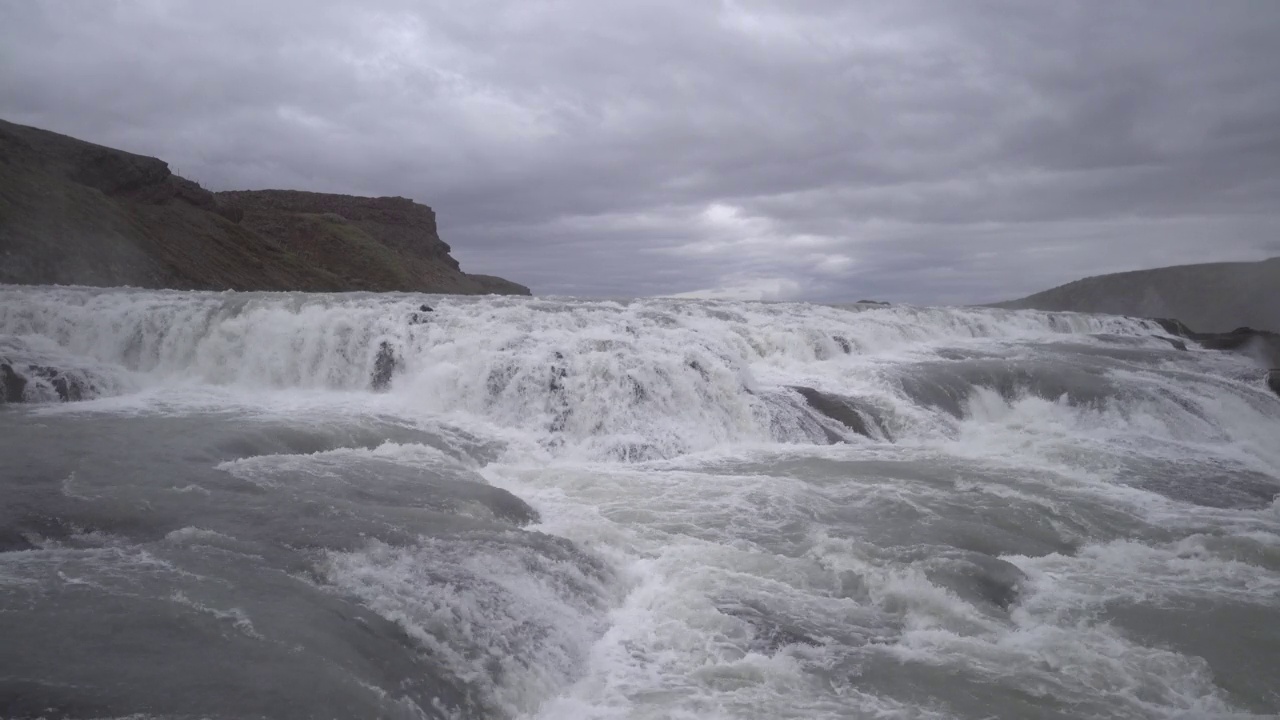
x=951, y=151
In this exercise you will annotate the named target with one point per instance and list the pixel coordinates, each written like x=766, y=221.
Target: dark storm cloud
x=826, y=150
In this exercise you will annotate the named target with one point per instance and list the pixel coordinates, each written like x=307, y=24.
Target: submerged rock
x=771, y=631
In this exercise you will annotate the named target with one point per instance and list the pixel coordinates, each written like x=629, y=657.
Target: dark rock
x=1176, y=343
x=560, y=409
x=12, y=385
x=980, y=578
x=1261, y=345
x=1227, y=341
x=844, y=343
x=696, y=366
x=85, y=214
x=384, y=366
x=834, y=407
x=70, y=388
x=772, y=632
x=1273, y=380
x=557, y=374
x=872, y=302
x=1174, y=327
x=419, y=317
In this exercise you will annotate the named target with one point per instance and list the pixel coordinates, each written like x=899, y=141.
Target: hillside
x=1213, y=297
x=75, y=213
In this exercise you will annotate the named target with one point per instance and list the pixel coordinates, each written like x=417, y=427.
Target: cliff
x=1209, y=298
x=75, y=213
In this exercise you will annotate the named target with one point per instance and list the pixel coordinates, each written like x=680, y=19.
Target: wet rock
x=844, y=343
x=384, y=366
x=12, y=385
x=979, y=578
x=836, y=408
x=1176, y=343
x=1174, y=327
x=69, y=387
x=1273, y=380
x=420, y=315
x=1261, y=345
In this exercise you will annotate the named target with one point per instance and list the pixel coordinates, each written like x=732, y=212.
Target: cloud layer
x=825, y=150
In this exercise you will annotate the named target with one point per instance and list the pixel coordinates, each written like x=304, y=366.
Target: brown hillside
x=75, y=213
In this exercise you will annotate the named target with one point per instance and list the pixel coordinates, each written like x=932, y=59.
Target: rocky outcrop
x=38, y=383
x=13, y=386
x=844, y=411
x=1212, y=297
x=1260, y=345
x=76, y=213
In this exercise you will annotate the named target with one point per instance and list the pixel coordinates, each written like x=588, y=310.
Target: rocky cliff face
x=1212, y=298
x=75, y=213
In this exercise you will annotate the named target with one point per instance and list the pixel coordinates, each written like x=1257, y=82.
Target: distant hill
x=75, y=213
x=1213, y=297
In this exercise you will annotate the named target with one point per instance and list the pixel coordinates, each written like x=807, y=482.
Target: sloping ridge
x=1212, y=297
x=75, y=213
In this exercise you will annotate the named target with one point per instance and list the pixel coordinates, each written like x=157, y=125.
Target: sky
x=945, y=151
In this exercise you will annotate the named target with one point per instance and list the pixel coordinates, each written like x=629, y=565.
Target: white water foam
x=754, y=573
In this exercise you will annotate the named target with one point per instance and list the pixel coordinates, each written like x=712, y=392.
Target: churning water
x=293, y=505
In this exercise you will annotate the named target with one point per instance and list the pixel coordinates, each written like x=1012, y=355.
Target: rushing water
x=292, y=505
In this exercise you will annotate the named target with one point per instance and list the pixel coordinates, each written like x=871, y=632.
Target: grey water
x=271, y=505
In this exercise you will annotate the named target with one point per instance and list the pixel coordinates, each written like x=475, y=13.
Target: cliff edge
x=1209, y=298
x=75, y=213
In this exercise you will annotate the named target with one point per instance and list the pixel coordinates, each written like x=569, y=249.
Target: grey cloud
x=911, y=150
